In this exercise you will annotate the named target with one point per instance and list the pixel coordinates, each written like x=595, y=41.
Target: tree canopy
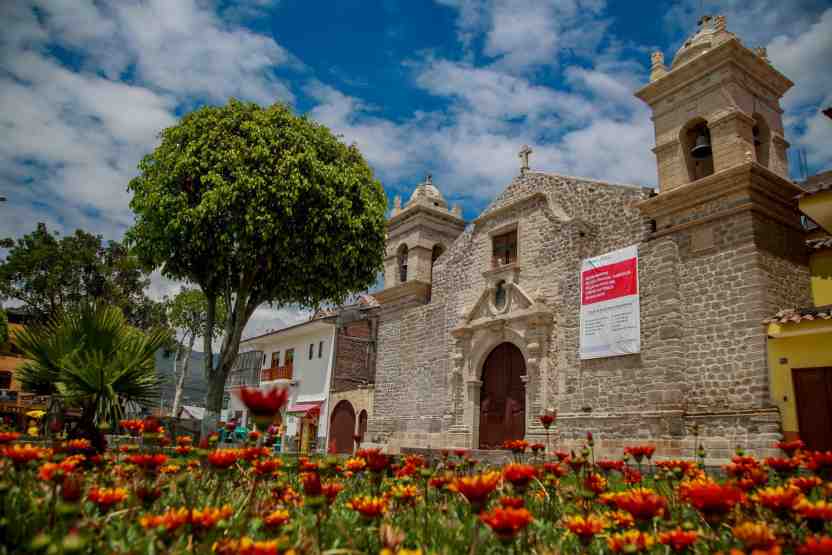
x=257, y=205
x=4, y=326
x=48, y=274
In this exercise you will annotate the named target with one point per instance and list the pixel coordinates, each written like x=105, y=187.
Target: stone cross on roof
x=524, y=153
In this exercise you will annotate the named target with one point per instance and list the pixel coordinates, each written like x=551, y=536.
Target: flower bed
x=180, y=498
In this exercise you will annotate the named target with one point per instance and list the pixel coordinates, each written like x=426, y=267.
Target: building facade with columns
x=479, y=323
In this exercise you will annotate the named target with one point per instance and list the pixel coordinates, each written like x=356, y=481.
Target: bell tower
x=417, y=235
x=715, y=108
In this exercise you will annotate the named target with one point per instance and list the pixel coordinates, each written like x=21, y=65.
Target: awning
x=302, y=408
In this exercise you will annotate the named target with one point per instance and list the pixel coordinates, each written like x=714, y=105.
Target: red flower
x=71, y=488
x=376, y=460
x=78, y=446
x=266, y=467
x=609, y=466
x=818, y=511
x=805, y=483
x=311, y=484
x=561, y=455
x=252, y=453
x=790, y=447
x=632, y=476
x=709, y=498
x=148, y=462
x=512, y=502
x=22, y=454
x=547, y=420
x=184, y=440
x=816, y=545
x=331, y=491
x=516, y=446
x=277, y=518
x=133, y=426
x=819, y=462
x=477, y=488
x=507, y=522
x=151, y=425
x=642, y=503
x=555, y=469
x=677, y=465
x=263, y=405
x=207, y=518
x=678, y=539
x=460, y=453
x=779, y=498
x=519, y=474
x=537, y=447
x=8, y=437
x=595, y=483
x=223, y=459
x=639, y=452
x=169, y=521
x=630, y=541
x=184, y=449
x=782, y=466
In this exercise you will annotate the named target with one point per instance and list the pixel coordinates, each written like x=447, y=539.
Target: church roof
x=797, y=315
x=710, y=33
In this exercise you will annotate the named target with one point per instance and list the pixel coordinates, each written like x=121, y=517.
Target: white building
x=298, y=357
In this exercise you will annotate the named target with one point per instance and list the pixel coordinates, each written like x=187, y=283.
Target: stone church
x=479, y=322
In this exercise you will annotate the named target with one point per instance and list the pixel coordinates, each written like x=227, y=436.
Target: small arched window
x=402, y=261
x=762, y=140
x=696, y=142
x=500, y=295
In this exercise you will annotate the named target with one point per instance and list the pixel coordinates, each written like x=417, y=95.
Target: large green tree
x=48, y=274
x=256, y=205
x=187, y=314
x=4, y=326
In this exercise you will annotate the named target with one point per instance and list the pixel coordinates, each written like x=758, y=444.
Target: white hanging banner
x=610, y=313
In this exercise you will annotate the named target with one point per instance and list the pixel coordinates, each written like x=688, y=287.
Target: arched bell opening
x=401, y=259
x=762, y=140
x=698, y=152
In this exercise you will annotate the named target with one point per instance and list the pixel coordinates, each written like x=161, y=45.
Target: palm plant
x=93, y=359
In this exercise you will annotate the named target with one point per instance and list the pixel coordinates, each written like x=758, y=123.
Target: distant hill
x=196, y=385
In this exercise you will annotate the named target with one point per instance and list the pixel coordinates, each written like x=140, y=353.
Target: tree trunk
x=180, y=380
x=212, y=405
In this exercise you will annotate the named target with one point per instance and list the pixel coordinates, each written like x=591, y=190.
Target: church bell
x=702, y=148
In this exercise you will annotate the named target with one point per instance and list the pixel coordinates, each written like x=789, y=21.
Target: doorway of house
x=813, y=392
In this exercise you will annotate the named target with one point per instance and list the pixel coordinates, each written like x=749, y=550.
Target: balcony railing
x=276, y=373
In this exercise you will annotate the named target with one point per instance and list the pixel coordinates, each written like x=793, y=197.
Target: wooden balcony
x=276, y=373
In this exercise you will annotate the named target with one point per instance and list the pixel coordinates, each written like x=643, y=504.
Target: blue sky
x=448, y=87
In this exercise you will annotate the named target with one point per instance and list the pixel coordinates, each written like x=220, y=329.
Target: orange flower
x=782, y=466
x=685, y=468
x=622, y=519
x=252, y=453
x=105, y=498
x=52, y=471
x=148, y=462
x=678, y=539
x=595, y=483
x=355, y=464
x=585, y=527
x=755, y=535
x=223, y=459
x=8, y=437
x=405, y=493
x=170, y=520
x=477, y=488
x=710, y=498
x=132, y=426
x=630, y=541
x=516, y=445
x=78, y=445
x=642, y=503
x=183, y=449
x=277, y=518
x=170, y=469
x=816, y=545
x=507, y=522
x=247, y=546
x=184, y=440
x=779, y=498
x=369, y=507
x=519, y=474
x=609, y=466
x=208, y=517
x=805, y=483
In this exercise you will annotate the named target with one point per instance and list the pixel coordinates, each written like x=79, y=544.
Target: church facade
x=479, y=324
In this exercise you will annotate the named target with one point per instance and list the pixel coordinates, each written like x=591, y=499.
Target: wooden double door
x=813, y=393
x=502, y=397
x=342, y=427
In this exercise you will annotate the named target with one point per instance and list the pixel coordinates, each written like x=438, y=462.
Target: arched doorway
x=503, y=397
x=342, y=427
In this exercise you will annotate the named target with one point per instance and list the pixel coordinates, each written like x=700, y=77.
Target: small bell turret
x=702, y=148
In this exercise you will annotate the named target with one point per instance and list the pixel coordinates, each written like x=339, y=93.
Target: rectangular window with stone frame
x=275, y=359
x=505, y=248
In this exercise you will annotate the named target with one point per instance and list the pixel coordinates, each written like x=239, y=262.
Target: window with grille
x=505, y=248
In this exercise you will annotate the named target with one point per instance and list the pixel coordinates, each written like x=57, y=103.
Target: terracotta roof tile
x=796, y=315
